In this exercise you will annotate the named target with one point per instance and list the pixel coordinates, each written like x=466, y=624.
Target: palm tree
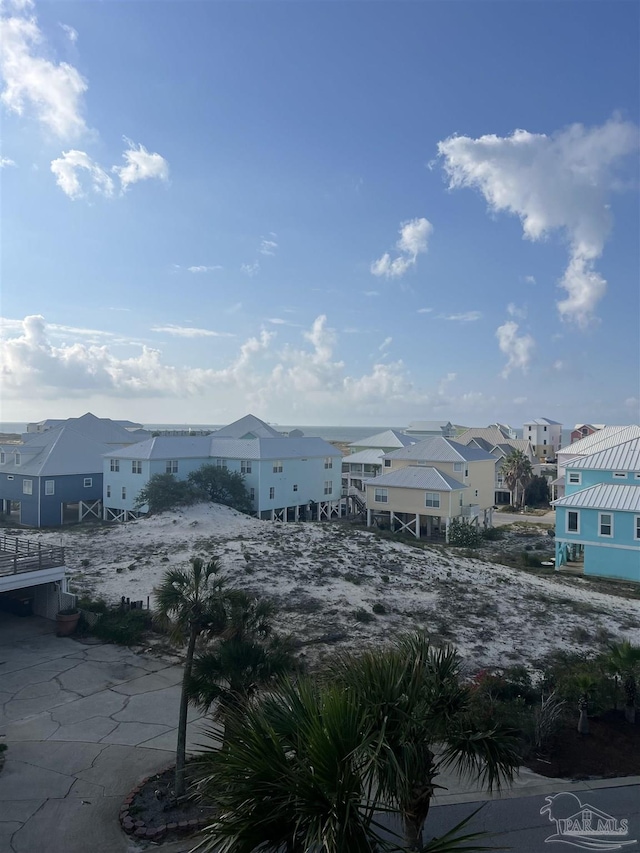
x=189, y=602
x=416, y=705
x=624, y=661
x=312, y=766
x=517, y=473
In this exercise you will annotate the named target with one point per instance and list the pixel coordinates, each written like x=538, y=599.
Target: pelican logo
x=583, y=825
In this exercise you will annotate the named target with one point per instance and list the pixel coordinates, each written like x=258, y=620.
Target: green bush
x=492, y=534
x=125, y=627
x=462, y=534
x=97, y=606
x=379, y=608
x=362, y=615
x=164, y=492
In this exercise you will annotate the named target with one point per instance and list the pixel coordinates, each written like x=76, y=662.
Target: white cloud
x=424, y=310
x=371, y=292
x=517, y=348
x=294, y=380
x=514, y=311
x=519, y=400
x=530, y=279
x=552, y=183
x=5, y=161
x=140, y=165
x=204, y=268
x=71, y=34
x=413, y=241
x=558, y=364
x=267, y=247
x=250, y=269
x=189, y=332
x=233, y=309
x=464, y=317
x=72, y=166
x=386, y=343
x=52, y=92
x=633, y=403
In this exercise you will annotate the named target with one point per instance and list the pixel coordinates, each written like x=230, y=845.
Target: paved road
x=502, y=518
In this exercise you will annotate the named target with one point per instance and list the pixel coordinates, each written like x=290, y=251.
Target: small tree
x=537, y=492
x=623, y=661
x=517, y=473
x=221, y=487
x=463, y=534
x=164, y=492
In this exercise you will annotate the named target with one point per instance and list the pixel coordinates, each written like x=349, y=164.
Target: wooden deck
x=21, y=555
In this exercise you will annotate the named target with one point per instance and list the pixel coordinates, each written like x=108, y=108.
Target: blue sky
x=321, y=212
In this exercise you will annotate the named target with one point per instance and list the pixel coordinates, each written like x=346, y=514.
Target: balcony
x=470, y=511
x=21, y=555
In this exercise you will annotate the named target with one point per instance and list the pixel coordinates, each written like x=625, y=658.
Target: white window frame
x=272, y=493
x=328, y=462
x=295, y=487
x=610, y=525
x=577, y=514
x=49, y=487
x=432, y=499
x=9, y=476
x=619, y=475
x=108, y=491
x=277, y=466
x=27, y=487
x=252, y=493
x=328, y=487
x=221, y=463
x=636, y=528
x=381, y=496
x=245, y=466
x=171, y=466
x=87, y=482
x=124, y=493
x=457, y=466
x=387, y=463
x=114, y=465
x=571, y=475
x=136, y=466
x=18, y=458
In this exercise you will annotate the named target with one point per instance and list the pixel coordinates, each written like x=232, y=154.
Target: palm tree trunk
x=181, y=748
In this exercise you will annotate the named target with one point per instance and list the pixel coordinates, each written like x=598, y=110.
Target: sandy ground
x=320, y=575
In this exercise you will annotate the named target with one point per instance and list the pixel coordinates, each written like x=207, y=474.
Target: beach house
x=598, y=519
x=496, y=441
x=545, y=436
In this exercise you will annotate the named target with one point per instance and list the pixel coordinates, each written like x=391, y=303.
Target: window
x=9, y=476
x=252, y=493
x=432, y=499
x=381, y=496
x=544, y=430
x=245, y=466
x=136, y=466
x=115, y=465
x=457, y=466
x=573, y=521
x=636, y=532
x=575, y=477
x=605, y=524
x=466, y=472
x=49, y=487
x=277, y=466
x=387, y=463
x=2, y=457
x=328, y=462
x=221, y=463
x=124, y=493
x=272, y=492
x=88, y=482
x=545, y=441
x=476, y=493
x=18, y=458
x=328, y=487
x=619, y=475
x=500, y=479
x=108, y=491
x=27, y=487
x=172, y=466
x=295, y=487
x=636, y=476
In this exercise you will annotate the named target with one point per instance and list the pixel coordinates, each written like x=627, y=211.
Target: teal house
x=598, y=519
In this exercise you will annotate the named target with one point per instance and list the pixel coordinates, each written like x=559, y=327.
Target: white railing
x=470, y=511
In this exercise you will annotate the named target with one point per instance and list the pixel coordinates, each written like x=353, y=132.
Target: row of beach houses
x=415, y=482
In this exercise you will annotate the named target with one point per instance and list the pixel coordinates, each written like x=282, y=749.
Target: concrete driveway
x=83, y=724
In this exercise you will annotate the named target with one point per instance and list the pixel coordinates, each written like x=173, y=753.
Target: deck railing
x=22, y=555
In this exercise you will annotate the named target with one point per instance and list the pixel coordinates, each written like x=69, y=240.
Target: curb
x=139, y=829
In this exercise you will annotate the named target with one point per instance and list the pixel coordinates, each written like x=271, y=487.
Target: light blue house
x=288, y=478
x=598, y=519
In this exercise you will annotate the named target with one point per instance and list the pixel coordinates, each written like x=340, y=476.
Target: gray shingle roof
x=613, y=496
x=438, y=449
x=417, y=478
x=388, y=438
x=623, y=457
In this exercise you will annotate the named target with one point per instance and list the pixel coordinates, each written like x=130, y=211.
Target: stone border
x=139, y=829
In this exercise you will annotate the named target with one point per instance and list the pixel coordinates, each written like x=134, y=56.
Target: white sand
x=494, y=614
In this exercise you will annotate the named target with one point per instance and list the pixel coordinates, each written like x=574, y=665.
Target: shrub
x=125, y=627
x=537, y=492
x=221, y=486
x=384, y=578
x=164, y=492
x=462, y=534
x=379, y=608
x=362, y=615
x=492, y=534
x=97, y=606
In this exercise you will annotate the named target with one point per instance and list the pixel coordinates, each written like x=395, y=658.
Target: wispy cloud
x=267, y=247
x=386, y=343
x=140, y=165
x=424, y=310
x=204, y=268
x=189, y=332
x=530, y=279
x=70, y=33
x=233, y=309
x=514, y=311
x=413, y=241
x=518, y=348
x=5, y=161
x=464, y=317
x=371, y=292
x=76, y=174
x=250, y=269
